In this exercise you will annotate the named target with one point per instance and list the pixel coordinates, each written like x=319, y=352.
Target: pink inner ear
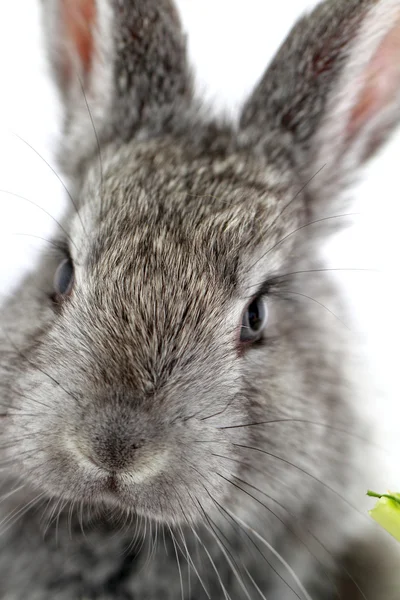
x=381, y=82
x=78, y=17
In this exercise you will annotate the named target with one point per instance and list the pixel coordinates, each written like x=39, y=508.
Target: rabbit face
x=142, y=364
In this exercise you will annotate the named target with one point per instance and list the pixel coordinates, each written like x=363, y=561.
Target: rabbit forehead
x=164, y=271
x=160, y=199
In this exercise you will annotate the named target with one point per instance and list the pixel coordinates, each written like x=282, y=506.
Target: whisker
x=136, y=535
x=194, y=415
x=155, y=545
x=294, y=517
x=38, y=237
x=44, y=517
x=221, y=412
x=152, y=541
x=20, y=353
x=289, y=204
x=316, y=302
x=254, y=583
x=325, y=485
x=129, y=525
x=226, y=595
x=298, y=538
x=177, y=562
x=70, y=514
x=274, y=552
x=200, y=541
x=80, y=519
x=8, y=495
x=341, y=566
x=149, y=545
x=58, y=177
x=306, y=422
x=98, y=146
x=301, y=227
x=22, y=414
x=228, y=555
x=15, y=441
x=131, y=547
x=60, y=511
x=187, y=550
x=256, y=547
x=30, y=399
x=187, y=557
x=18, y=512
x=124, y=523
x=2, y=191
x=274, y=278
x=51, y=516
x=164, y=541
x=12, y=462
x=144, y=533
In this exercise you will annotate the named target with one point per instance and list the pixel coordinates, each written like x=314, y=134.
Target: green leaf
x=387, y=512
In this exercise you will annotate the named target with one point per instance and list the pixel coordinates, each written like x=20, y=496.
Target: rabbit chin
x=144, y=490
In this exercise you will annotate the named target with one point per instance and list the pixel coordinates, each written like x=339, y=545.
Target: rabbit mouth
x=112, y=484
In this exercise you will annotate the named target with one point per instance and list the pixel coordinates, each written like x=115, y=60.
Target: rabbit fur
x=145, y=452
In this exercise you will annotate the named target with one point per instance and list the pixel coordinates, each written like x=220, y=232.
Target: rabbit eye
x=64, y=279
x=254, y=320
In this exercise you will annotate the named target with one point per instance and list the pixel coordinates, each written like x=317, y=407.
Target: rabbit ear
x=74, y=32
x=332, y=94
x=127, y=57
x=79, y=35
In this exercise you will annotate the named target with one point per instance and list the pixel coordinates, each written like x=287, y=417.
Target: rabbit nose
x=114, y=452
x=114, y=431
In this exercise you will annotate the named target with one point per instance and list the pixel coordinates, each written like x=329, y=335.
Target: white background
x=230, y=43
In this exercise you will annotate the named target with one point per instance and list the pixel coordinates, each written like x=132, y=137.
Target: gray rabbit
x=180, y=413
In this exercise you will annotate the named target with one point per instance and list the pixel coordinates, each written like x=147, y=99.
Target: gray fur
x=117, y=402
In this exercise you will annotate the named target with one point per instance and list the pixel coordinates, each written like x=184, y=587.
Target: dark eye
x=64, y=279
x=254, y=320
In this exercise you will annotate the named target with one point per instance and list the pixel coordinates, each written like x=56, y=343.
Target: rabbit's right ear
x=331, y=96
x=125, y=58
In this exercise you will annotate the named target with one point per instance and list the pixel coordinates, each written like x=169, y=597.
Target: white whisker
x=274, y=552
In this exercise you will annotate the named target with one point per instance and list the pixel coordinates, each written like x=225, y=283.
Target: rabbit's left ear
x=125, y=59
x=332, y=94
